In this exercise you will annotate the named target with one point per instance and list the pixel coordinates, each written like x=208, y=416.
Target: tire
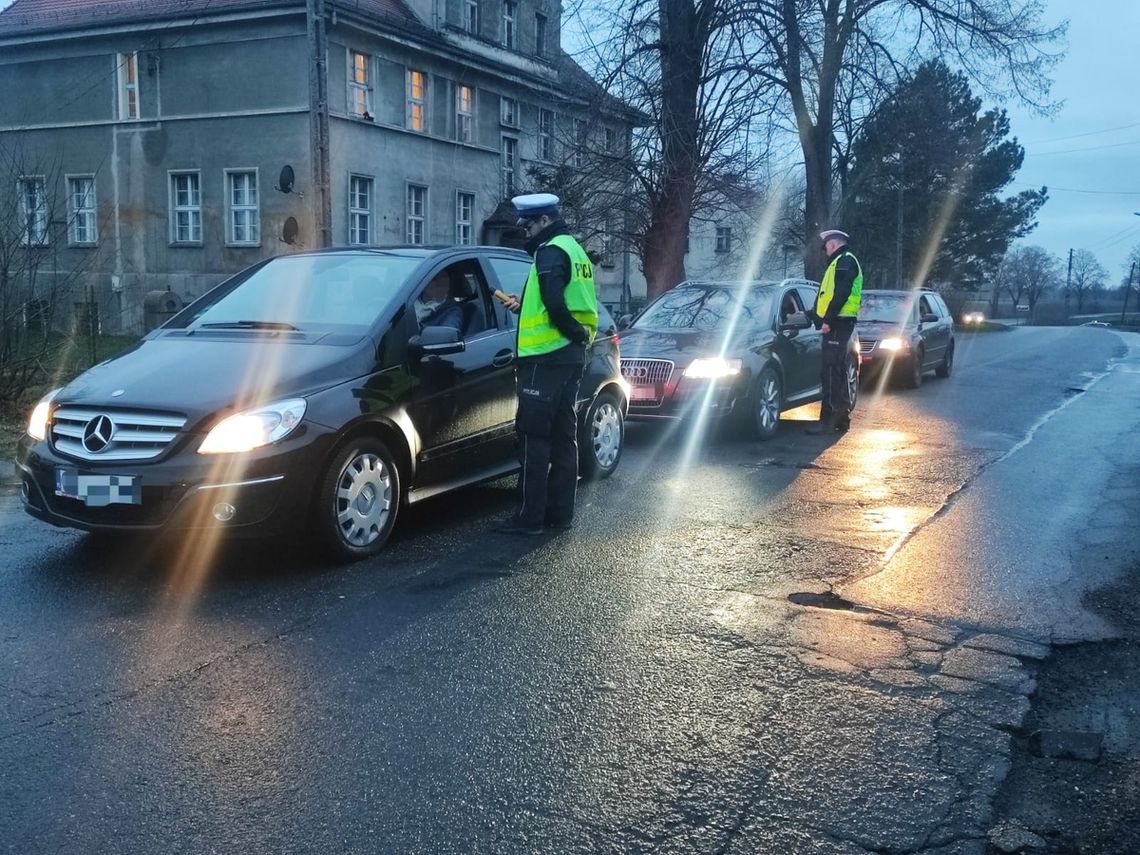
x=766, y=403
x=912, y=378
x=601, y=437
x=358, y=500
x=853, y=383
x=947, y=365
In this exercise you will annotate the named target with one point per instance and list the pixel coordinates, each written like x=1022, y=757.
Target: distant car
x=906, y=333
x=720, y=349
x=305, y=393
x=973, y=318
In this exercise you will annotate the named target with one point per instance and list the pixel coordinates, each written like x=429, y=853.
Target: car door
x=795, y=348
x=463, y=404
x=812, y=341
x=932, y=332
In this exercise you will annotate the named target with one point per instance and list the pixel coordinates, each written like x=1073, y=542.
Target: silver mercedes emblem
x=97, y=435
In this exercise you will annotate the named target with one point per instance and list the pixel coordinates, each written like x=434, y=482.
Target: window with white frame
x=359, y=210
x=581, y=140
x=245, y=213
x=417, y=97
x=81, y=199
x=128, y=72
x=611, y=141
x=540, y=35
x=417, y=212
x=545, y=134
x=609, y=242
x=510, y=163
x=723, y=239
x=360, y=85
x=465, y=113
x=185, y=207
x=510, y=24
x=509, y=112
x=33, y=210
x=471, y=16
x=464, y=217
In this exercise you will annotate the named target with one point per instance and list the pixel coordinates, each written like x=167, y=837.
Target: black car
x=716, y=349
x=306, y=393
x=906, y=333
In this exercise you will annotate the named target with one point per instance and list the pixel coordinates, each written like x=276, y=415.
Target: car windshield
x=308, y=292
x=888, y=308
x=709, y=308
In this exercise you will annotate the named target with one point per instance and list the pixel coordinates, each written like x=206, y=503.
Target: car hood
x=879, y=329
x=681, y=346
x=200, y=376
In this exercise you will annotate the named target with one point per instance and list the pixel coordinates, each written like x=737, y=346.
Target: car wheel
x=912, y=379
x=852, y=383
x=947, y=365
x=602, y=437
x=767, y=402
x=358, y=499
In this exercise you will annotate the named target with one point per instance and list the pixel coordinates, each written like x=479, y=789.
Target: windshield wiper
x=251, y=325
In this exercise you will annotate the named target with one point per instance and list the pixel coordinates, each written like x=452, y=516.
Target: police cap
x=534, y=205
x=834, y=234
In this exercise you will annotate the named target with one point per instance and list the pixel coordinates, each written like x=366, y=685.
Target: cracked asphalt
x=640, y=684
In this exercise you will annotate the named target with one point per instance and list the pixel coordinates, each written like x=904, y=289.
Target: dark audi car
x=906, y=333
x=716, y=348
x=311, y=391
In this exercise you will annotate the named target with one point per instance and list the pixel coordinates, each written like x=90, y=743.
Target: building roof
x=33, y=16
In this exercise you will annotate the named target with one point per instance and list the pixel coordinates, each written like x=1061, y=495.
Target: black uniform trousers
x=833, y=376
x=548, y=440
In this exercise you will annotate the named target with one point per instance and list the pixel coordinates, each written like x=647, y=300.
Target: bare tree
x=686, y=66
x=1087, y=277
x=36, y=221
x=831, y=55
x=1030, y=271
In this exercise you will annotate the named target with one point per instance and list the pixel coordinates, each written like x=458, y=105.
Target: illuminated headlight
x=891, y=344
x=38, y=423
x=254, y=428
x=713, y=368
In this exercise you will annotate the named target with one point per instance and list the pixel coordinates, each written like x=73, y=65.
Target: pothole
x=826, y=600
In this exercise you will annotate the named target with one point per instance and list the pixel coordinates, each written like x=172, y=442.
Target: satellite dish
x=285, y=181
x=290, y=230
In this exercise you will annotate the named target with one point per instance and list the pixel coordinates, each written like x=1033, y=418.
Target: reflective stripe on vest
x=537, y=335
x=827, y=290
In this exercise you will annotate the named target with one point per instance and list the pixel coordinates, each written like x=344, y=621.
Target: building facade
x=159, y=147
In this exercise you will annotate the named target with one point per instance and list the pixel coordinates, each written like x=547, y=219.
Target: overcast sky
x=1088, y=154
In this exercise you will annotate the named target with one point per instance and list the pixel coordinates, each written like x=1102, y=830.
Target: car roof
x=901, y=292
x=416, y=251
x=755, y=283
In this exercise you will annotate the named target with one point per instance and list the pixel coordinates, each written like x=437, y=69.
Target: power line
x=1086, y=134
x=1087, y=148
x=1078, y=190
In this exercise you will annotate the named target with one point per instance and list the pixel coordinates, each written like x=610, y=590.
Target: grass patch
x=69, y=356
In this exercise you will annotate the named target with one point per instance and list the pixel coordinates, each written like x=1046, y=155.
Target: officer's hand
x=825, y=329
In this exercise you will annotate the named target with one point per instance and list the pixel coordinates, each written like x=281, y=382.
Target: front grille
x=130, y=435
x=646, y=372
x=867, y=345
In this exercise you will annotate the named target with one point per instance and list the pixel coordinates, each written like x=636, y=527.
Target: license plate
x=98, y=491
x=643, y=393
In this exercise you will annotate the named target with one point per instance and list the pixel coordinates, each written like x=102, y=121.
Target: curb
x=8, y=475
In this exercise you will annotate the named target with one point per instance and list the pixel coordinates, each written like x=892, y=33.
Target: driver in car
x=436, y=308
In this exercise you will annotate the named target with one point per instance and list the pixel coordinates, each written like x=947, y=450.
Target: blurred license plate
x=97, y=491
x=643, y=393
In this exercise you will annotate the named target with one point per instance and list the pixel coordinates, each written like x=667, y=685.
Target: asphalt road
x=640, y=684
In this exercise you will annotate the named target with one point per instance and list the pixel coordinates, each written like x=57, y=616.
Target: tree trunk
x=817, y=170
x=683, y=36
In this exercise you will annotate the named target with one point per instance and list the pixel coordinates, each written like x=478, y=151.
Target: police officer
x=835, y=311
x=558, y=316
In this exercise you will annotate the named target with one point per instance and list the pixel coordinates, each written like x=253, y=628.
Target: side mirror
x=437, y=341
x=795, y=321
x=929, y=318
x=624, y=321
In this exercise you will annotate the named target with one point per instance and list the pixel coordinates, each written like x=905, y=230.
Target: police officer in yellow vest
x=558, y=316
x=836, y=308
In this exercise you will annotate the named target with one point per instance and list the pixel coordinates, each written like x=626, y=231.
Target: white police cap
x=834, y=234
x=534, y=205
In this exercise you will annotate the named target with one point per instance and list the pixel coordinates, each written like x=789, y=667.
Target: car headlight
x=254, y=428
x=38, y=423
x=891, y=344
x=713, y=368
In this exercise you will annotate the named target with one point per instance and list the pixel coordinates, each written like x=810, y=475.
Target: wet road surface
x=640, y=684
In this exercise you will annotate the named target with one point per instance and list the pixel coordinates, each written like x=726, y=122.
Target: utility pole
x=319, y=119
x=898, y=242
x=1127, y=291
x=1068, y=282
